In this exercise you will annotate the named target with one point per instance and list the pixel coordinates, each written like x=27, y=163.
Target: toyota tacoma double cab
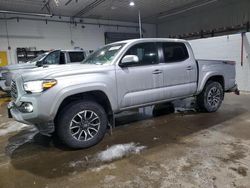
x=79, y=102
x=55, y=57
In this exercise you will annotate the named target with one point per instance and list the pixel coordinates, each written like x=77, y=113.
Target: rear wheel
x=210, y=99
x=82, y=124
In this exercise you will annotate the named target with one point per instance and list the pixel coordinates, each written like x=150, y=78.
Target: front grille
x=14, y=92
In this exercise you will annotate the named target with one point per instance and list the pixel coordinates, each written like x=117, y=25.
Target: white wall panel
x=222, y=13
x=53, y=35
x=227, y=48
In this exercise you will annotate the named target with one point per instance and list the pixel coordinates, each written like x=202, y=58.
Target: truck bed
x=216, y=67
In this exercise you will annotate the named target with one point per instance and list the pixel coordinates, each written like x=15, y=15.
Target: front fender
x=78, y=89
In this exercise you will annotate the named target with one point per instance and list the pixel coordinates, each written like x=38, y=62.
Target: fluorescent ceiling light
x=56, y=2
x=132, y=3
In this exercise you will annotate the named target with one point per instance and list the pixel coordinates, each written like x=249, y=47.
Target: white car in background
x=56, y=57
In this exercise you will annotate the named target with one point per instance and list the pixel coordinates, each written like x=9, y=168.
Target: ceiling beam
x=47, y=6
x=24, y=13
x=185, y=8
x=88, y=8
x=68, y=2
x=70, y=22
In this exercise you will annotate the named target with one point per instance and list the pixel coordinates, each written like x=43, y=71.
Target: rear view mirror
x=129, y=60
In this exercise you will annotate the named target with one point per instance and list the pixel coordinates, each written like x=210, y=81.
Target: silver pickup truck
x=55, y=57
x=79, y=101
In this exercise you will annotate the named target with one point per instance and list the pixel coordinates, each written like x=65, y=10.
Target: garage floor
x=184, y=149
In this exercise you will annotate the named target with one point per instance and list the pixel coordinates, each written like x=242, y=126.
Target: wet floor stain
x=4, y=100
x=240, y=170
x=179, y=149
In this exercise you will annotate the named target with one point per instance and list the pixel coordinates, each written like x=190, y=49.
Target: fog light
x=27, y=107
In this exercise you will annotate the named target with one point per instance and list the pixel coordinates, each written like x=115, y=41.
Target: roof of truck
x=72, y=50
x=151, y=40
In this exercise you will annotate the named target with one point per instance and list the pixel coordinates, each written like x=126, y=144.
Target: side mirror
x=39, y=63
x=129, y=60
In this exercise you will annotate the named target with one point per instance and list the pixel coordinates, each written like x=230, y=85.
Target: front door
x=137, y=84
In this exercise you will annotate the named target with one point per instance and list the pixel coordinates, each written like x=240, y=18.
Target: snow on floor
x=10, y=127
x=112, y=153
x=102, y=167
x=118, y=151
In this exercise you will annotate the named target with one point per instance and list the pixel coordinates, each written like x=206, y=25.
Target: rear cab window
x=76, y=56
x=174, y=52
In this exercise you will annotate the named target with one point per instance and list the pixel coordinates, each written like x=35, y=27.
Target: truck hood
x=18, y=66
x=29, y=70
x=56, y=71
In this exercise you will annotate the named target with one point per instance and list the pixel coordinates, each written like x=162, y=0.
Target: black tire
x=205, y=101
x=65, y=124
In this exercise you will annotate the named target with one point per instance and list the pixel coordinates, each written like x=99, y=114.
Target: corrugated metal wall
x=223, y=13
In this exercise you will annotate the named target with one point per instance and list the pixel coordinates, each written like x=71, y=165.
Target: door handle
x=189, y=68
x=157, y=71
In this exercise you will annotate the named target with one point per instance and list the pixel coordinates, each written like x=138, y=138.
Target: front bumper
x=14, y=113
x=42, y=114
x=33, y=118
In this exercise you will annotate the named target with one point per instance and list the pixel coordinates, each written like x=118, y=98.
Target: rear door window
x=76, y=56
x=174, y=52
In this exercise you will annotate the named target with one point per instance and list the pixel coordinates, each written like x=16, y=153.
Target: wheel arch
x=212, y=77
x=97, y=95
x=217, y=78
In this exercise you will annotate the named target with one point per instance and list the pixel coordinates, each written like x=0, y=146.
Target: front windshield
x=104, y=55
x=40, y=57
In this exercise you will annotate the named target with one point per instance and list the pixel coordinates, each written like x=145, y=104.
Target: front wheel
x=81, y=124
x=210, y=99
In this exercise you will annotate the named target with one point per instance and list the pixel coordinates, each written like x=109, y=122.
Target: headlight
x=39, y=85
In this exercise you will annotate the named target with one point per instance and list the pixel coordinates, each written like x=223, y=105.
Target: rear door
x=180, y=72
x=138, y=84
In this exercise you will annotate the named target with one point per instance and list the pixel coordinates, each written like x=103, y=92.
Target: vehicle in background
x=55, y=57
x=79, y=102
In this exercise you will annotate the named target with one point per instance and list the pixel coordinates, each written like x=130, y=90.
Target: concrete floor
x=172, y=150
